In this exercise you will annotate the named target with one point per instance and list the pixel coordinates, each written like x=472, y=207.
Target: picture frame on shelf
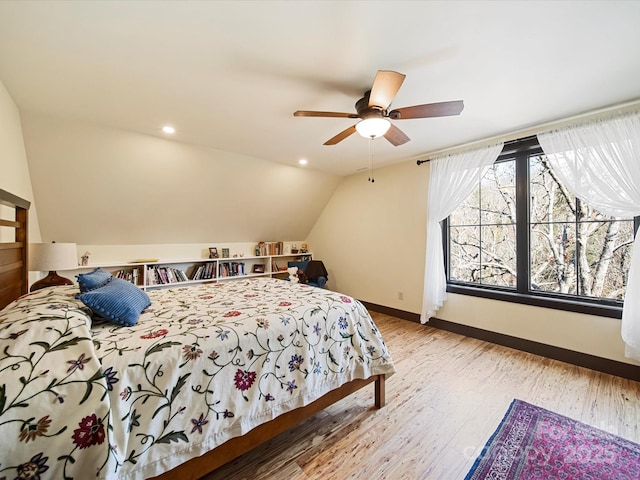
x=258, y=268
x=225, y=253
x=213, y=252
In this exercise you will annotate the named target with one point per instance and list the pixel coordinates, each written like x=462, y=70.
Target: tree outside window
x=522, y=232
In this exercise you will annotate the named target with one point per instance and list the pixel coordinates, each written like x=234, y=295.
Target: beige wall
x=98, y=185
x=372, y=239
x=599, y=336
x=14, y=170
x=371, y=236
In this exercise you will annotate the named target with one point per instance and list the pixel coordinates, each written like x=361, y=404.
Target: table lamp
x=49, y=257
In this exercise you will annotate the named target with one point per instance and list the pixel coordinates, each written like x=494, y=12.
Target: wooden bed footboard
x=233, y=448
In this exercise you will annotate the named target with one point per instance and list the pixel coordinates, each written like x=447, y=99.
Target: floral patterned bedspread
x=83, y=398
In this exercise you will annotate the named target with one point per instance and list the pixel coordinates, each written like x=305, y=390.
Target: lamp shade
x=46, y=257
x=373, y=127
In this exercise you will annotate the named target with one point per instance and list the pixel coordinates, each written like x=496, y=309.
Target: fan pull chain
x=371, y=179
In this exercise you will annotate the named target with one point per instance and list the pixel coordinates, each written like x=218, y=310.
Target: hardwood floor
x=448, y=396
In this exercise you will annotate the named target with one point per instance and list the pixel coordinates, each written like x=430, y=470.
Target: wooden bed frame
x=14, y=273
x=200, y=466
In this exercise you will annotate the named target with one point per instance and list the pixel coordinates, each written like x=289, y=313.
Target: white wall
x=372, y=240
x=99, y=185
x=14, y=170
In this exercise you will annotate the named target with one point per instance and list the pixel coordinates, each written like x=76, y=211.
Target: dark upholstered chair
x=314, y=270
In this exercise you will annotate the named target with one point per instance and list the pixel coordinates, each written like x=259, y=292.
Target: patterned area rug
x=534, y=443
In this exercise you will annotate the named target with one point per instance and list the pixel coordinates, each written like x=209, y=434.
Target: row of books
x=270, y=248
x=231, y=269
x=207, y=271
x=204, y=272
x=132, y=276
x=157, y=275
x=164, y=275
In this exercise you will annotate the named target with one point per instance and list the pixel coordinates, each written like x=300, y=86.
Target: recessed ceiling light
x=168, y=129
x=302, y=161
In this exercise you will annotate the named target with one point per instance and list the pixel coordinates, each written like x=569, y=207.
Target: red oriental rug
x=534, y=443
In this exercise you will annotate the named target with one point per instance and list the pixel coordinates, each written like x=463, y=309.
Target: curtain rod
x=531, y=131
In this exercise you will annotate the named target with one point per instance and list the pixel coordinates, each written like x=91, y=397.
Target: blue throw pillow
x=94, y=279
x=117, y=300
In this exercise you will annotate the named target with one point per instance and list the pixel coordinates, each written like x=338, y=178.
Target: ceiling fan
x=374, y=114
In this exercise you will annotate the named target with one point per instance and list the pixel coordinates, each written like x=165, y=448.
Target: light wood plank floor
x=448, y=396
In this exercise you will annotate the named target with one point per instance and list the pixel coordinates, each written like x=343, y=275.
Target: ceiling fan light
x=373, y=127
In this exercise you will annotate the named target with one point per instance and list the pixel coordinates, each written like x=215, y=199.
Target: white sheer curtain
x=451, y=181
x=599, y=162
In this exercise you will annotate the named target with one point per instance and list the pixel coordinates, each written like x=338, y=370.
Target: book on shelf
x=151, y=276
x=210, y=271
x=206, y=271
x=269, y=248
x=231, y=269
x=197, y=274
x=164, y=275
x=180, y=275
x=130, y=275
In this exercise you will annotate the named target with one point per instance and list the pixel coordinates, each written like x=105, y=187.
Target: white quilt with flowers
x=83, y=398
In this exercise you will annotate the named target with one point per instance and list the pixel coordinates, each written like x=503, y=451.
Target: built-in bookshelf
x=157, y=273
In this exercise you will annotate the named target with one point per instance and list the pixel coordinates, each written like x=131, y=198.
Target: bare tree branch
x=563, y=190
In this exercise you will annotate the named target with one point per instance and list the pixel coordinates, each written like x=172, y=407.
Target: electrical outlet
x=400, y=295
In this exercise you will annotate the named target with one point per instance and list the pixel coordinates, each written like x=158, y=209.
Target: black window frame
x=521, y=150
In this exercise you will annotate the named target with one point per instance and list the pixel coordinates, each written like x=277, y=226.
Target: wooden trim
x=605, y=365
x=9, y=246
x=599, y=364
x=393, y=312
x=233, y=448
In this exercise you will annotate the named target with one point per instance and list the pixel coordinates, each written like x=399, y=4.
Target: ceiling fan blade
x=308, y=113
x=396, y=136
x=341, y=136
x=385, y=87
x=428, y=110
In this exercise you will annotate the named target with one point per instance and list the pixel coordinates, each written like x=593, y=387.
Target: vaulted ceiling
x=229, y=75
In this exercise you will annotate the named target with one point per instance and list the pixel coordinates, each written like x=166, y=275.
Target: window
x=521, y=236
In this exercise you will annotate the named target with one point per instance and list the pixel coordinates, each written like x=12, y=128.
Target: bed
x=207, y=372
